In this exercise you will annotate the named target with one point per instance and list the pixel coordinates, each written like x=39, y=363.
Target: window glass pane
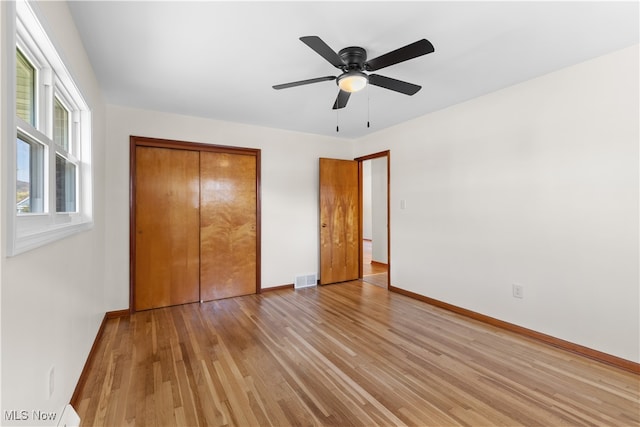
x=61, y=125
x=25, y=89
x=65, y=185
x=29, y=177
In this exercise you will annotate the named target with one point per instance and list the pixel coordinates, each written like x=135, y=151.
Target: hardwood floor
x=373, y=272
x=350, y=354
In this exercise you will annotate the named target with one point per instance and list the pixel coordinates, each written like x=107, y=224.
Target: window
x=50, y=188
x=66, y=166
x=29, y=176
x=25, y=89
x=60, y=125
x=65, y=185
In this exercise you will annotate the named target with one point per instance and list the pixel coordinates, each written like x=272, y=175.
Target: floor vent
x=305, y=281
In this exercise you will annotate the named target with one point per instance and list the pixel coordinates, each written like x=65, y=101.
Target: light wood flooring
x=374, y=273
x=350, y=354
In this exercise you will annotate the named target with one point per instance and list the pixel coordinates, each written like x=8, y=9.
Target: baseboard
x=85, y=369
x=116, y=314
x=609, y=359
x=276, y=288
x=379, y=264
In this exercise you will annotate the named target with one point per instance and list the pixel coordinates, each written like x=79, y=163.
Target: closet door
x=167, y=243
x=228, y=213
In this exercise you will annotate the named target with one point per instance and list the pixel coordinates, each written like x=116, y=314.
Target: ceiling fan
x=353, y=63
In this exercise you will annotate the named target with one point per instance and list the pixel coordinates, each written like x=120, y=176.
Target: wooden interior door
x=339, y=221
x=228, y=219
x=167, y=241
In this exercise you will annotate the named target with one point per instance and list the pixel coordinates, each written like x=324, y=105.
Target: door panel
x=339, y=221
x=166, y=227
x=227, y=225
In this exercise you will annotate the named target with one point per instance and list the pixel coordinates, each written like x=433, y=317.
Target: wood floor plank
x=350, y=354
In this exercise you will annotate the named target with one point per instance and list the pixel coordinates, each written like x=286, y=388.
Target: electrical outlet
x=518, y=291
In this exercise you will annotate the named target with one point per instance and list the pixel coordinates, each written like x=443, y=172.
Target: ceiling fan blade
x=341, y=100
x=322, y=49
x=410, y=51
x=393, y=84
x=304, y=82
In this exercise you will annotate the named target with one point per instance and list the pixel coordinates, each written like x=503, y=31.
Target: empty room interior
x=362, y=213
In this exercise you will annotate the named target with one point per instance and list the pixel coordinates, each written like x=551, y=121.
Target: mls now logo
x=22, y=415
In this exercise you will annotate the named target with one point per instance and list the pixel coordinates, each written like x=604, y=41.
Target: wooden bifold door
x=194, y=222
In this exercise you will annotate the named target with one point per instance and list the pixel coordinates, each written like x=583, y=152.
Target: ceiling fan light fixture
x=352, y=81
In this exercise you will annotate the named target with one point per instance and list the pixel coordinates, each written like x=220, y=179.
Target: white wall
x=367, y=232
x=289, y=189
x=52, y=297
x=374, y=206
x=379, y=209
x=536, y=184
x=6, y=43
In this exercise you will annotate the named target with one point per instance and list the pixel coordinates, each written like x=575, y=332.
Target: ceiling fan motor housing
x=353, y=57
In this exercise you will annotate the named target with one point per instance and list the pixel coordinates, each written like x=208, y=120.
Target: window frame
x=72, y=153
x=66, y=143
x=26, y=231
x=35, y=84
x=41, y=175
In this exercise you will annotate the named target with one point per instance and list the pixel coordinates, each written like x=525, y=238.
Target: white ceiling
x=219, y=59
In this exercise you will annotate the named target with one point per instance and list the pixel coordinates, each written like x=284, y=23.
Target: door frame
x=360, y=160
x=136, y=141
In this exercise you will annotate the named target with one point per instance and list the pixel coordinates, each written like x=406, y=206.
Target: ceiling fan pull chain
x=337, y=120
x=368, y=107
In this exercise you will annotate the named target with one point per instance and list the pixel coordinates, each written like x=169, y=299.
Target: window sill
x=33, y=239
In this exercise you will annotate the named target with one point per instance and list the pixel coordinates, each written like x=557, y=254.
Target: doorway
x=374, y=176
x=344, y=254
